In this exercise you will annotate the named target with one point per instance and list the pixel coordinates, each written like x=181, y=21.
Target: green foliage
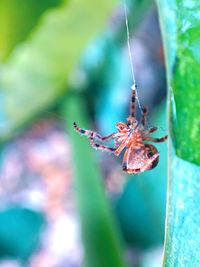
x=180, y=24
x=182, y=239
x=34, y=78
x=20, y=231
x=185, y=82
x=17, y=19
x=181, y=30
x=99, y=230
x=35, y=75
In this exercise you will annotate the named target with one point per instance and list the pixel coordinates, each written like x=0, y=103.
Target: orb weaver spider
x=132, y=136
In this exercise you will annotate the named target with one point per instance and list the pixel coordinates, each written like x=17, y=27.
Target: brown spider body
x=140, y=159
x=132, y=136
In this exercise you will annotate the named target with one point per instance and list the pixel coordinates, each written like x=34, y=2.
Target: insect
x=130, y=136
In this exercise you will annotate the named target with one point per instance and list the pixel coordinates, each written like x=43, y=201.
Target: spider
x=139, y=156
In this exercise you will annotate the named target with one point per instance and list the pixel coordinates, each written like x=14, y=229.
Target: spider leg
x=156, y=140
x=101, y=147
x=95, y=135
x=149, y=165
x=105, y=138
x=119, y=149
x=133, y=101
x=116, y=150
x=81, y=130
x=144, y=115
x=150, y=130
x=121, y=146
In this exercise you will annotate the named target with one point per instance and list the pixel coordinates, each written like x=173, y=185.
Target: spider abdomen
x=140, y=159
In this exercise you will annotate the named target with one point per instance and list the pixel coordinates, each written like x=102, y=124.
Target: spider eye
x=150, y=154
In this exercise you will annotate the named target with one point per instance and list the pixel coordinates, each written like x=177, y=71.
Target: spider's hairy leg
x=133, y=101
x=156, y=140
x=95, y=135
x=144, y=115
x=121, y=146
x=107, y=138
x=150, y=130
x=100, y=147
x=116, y=150
x=81, y=130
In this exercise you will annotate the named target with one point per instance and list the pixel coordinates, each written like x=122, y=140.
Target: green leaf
x=180, y=23
x=183, y=218
x=37, y=71
x=100, y=233
x=181, y=31
x=17, y=18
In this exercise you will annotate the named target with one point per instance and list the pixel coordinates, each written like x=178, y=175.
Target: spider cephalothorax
x=132, y=136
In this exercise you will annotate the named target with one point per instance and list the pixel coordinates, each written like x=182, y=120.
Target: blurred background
x=64, y=61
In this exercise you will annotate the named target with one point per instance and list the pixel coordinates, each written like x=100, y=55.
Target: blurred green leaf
x=100, y=64
x=180, y=23
x=17, y=18
x=35, y=75
x=20, y=230
x=99, y=230
x=137, y=10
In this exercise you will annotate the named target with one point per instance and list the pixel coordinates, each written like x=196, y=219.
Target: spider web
x=130, y=54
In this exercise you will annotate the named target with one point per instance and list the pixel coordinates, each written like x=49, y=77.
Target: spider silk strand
x=130, y=54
